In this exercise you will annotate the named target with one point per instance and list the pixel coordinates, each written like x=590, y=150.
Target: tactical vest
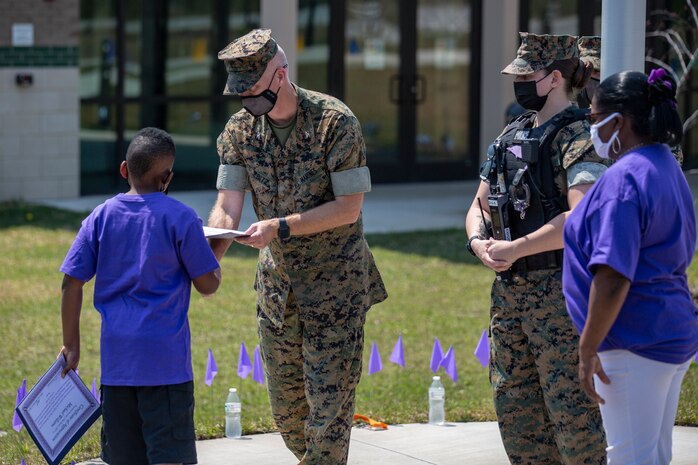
x=530, y=178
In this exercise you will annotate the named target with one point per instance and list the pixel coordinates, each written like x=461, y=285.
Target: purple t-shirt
x=144, y=251
x=638, y=219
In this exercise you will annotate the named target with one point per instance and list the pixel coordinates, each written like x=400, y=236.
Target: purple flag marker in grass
x=398, y=355
x=449, y=364
x=374, y=362
x=21, y=393
x=244, y=364
x=437, y=354
x=482, y=351
x=23, y=462
x=258, y=370
x=94, y=389
x=211, y=369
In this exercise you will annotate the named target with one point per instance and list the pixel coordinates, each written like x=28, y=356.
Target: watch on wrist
x=469, y=246
x=284, y=230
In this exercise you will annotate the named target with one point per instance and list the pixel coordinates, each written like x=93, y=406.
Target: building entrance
x=408, y=77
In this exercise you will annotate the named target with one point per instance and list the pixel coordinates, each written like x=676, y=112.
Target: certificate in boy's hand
x=58, y=411
x=220, y=233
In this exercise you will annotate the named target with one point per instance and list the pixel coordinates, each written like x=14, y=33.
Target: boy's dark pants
x=145, y=425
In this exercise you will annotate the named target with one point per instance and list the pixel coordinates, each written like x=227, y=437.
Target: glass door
x=372, y=69
x=407, y=68
x=443, y=82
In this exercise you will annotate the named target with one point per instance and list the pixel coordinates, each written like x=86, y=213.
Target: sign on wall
x=22, y=35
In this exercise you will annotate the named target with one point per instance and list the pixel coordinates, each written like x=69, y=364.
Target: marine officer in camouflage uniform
x=590, y=52
x=544, y=417
x=302, y=156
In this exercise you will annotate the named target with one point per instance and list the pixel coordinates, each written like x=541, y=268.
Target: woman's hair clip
x=657, y=76
x=660, y=87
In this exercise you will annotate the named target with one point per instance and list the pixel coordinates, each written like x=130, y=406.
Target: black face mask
x=584, y=97
x=527, y=94
x=263, y=103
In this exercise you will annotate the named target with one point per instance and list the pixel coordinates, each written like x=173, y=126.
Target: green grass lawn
x=435, y=289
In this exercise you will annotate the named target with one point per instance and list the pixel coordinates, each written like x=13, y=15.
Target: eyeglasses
x=593, y=118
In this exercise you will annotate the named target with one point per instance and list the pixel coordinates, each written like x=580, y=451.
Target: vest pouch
x=529, y=150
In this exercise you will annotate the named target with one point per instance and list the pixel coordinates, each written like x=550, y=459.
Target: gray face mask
x=262, y=103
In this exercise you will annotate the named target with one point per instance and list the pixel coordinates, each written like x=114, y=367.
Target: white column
x=623, y=36
x=499, y=43
x=282, y=18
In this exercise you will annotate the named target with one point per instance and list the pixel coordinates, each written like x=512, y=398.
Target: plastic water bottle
x=233, y=408
x=437, y=396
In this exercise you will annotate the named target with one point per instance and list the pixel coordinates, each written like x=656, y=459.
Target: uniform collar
x=304, y=122
x=304, y=117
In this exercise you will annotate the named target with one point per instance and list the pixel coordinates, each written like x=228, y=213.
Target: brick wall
x=39, y=124
x=56, y=22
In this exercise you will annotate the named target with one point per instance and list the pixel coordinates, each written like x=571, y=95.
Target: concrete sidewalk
x=387, y=208
x=413, y=444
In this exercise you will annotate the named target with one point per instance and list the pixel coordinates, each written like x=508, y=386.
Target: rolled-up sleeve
x=346, y=159
x=232, y=178
x=585, y=172
x=352, y=181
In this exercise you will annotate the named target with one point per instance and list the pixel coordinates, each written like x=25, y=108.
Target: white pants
x=640, y=408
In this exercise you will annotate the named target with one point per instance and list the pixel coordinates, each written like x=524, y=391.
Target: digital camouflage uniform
x=590, y=52
x=312, y=291
x=544, y=416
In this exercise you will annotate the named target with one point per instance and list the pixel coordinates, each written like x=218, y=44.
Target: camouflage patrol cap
x=539, y=51
x=590, y=50
x=246, y=58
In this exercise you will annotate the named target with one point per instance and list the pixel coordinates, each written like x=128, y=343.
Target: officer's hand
x=590, y=365
x=502, y=250
x=260, y=234
x=480, y=248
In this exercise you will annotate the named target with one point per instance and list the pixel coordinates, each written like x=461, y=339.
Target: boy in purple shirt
x=145, y=250
x=627, y=247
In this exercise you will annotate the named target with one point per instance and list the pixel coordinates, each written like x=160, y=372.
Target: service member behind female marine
x=590, y=52
x=537, y=170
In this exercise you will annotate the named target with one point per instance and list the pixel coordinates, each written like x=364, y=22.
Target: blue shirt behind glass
x=638, y=219
x=144, y=251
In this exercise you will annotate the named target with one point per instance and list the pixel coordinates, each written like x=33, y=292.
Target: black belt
x=542, y=261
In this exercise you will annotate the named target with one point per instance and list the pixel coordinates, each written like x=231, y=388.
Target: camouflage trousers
x=312, y=370
x=544, y=416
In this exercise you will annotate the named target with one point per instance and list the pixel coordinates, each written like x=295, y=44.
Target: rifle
x=498, y=201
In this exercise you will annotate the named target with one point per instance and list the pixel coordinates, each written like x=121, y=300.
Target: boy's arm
x=71, y=304
x=208, y=283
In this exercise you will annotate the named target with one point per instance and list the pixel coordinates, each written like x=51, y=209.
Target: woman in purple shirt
x=627, y=246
